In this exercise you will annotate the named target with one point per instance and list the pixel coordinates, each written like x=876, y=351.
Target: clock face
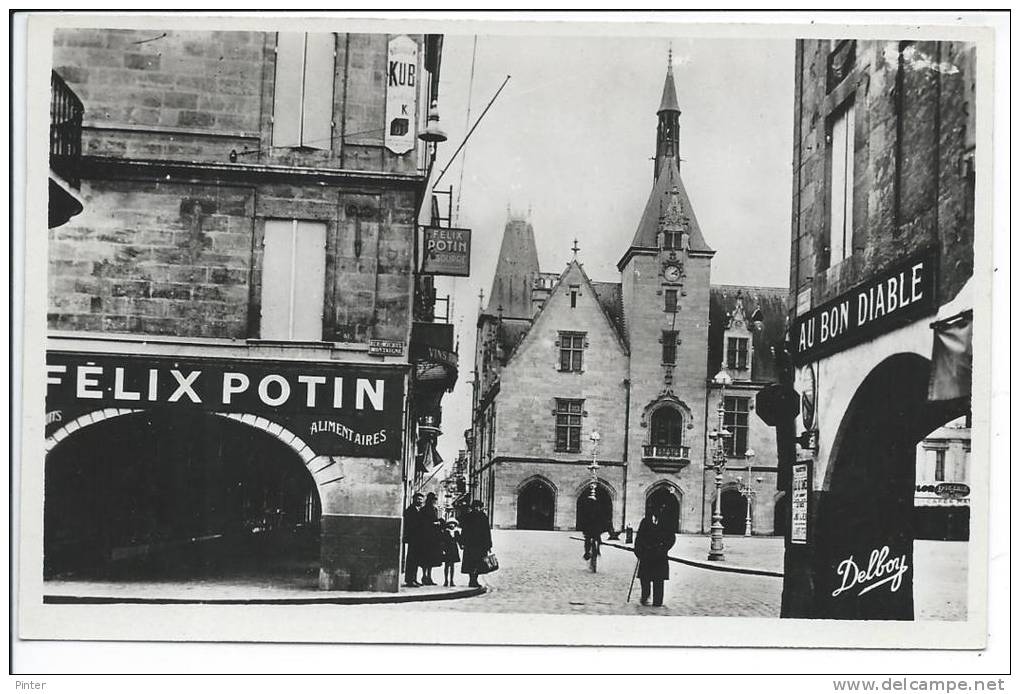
x=671, y=273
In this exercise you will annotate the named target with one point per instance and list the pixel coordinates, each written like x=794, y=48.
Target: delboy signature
x=880, y=571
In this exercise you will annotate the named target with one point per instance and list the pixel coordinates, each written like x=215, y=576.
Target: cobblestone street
x=543, y=572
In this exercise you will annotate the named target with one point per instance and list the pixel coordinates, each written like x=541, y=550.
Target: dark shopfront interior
x=179, y=495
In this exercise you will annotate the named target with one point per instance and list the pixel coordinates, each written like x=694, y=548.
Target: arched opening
x=601, y=507
x=734, y=512
x=536, y=505
x=667, y=424
x=179, y=495
x=866, y=516
x=663, y=496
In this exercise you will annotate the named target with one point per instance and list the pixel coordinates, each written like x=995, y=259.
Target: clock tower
x=665, y=277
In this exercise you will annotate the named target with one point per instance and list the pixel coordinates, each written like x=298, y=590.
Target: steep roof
x=647, y=234
x=610, y=297
x=767, y=327
x=669, y=101
x=516, y=269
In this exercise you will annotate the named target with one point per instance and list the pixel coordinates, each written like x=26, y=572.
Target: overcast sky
x=571, y=137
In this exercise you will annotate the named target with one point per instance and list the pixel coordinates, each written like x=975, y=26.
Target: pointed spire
x=669, y=101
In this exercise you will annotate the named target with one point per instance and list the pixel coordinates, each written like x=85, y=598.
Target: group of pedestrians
x=431, y=541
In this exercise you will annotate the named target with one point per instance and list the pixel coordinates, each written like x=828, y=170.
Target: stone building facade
x=880, y=308
x=561, y=356
x=244, y=268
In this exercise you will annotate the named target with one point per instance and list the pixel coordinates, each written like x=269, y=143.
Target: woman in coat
x=431, y=539
x=476, y=539
x=651, y=547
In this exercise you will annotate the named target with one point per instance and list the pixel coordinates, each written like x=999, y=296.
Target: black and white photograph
x=406, y=330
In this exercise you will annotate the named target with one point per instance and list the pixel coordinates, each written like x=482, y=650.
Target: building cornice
x=117, y=167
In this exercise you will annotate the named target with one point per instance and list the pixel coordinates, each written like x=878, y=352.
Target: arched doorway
x=734, y=512
x=663, y=496
x=536, y=505
x=866, y=515
x=174, y=494
x=668, y=429
x=603, y=504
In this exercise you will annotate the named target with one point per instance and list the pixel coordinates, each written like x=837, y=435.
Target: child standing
x=451, y=553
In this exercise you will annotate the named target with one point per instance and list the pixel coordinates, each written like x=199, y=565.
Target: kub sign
x=402, y=77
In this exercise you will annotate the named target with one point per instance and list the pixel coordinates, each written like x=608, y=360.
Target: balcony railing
x=666, y=458
x=65, y=130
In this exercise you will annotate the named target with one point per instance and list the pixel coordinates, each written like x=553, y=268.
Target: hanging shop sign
x=447, y=252
x=338, y=409
x=898, y=296
x=402, y=76
x=801, y=490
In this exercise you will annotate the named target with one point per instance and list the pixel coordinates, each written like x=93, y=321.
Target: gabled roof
x=647, y=235
x=767, y=327
x=609, y=300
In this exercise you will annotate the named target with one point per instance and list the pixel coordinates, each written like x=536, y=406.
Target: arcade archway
x=866, y=514
x=603, y=504
x=664, y=496
x=173, y=494
x=536, y=505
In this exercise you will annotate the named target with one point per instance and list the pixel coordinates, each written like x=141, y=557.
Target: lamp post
x=594, y=467
x=718, y=436
x=748, y=492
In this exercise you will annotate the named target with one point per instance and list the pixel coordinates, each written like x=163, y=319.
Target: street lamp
x=719, y=436
x=594, y=467
x=748, y=492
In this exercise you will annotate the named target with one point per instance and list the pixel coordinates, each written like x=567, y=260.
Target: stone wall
x=182, y=254
x=210, y=92
x=913, y=185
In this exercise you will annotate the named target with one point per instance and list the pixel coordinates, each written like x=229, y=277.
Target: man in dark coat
x=413, y=523
x=476, y=539
x=593, y=523
x=651, y=547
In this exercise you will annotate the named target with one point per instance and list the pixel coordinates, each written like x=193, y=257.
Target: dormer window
x=672, y=239
x=736, y=353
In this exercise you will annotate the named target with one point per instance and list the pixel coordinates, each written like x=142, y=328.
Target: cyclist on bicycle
x=593, y=523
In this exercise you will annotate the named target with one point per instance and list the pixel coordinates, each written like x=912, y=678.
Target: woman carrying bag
x=476, y=539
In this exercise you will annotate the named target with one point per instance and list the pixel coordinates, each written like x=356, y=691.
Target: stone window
x=303, y=93
x=735, y=410
x=571, y=351
x=293, y=280
x=669, y=347
x=668, y=427
x=841, y=184
x=670, y=300
x=574, y=291
x=568, y=425
x=736, y=353
x=937, y=463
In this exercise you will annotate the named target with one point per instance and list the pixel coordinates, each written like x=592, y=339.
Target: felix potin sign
x=447, y=252
x=342, y=409
x=898, y=296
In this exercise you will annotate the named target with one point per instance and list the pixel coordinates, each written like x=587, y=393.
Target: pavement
x=544, y=572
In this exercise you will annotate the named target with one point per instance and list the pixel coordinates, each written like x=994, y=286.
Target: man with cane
x=651, y=547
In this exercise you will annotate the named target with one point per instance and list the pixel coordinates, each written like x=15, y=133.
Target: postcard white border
x=300, y=623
